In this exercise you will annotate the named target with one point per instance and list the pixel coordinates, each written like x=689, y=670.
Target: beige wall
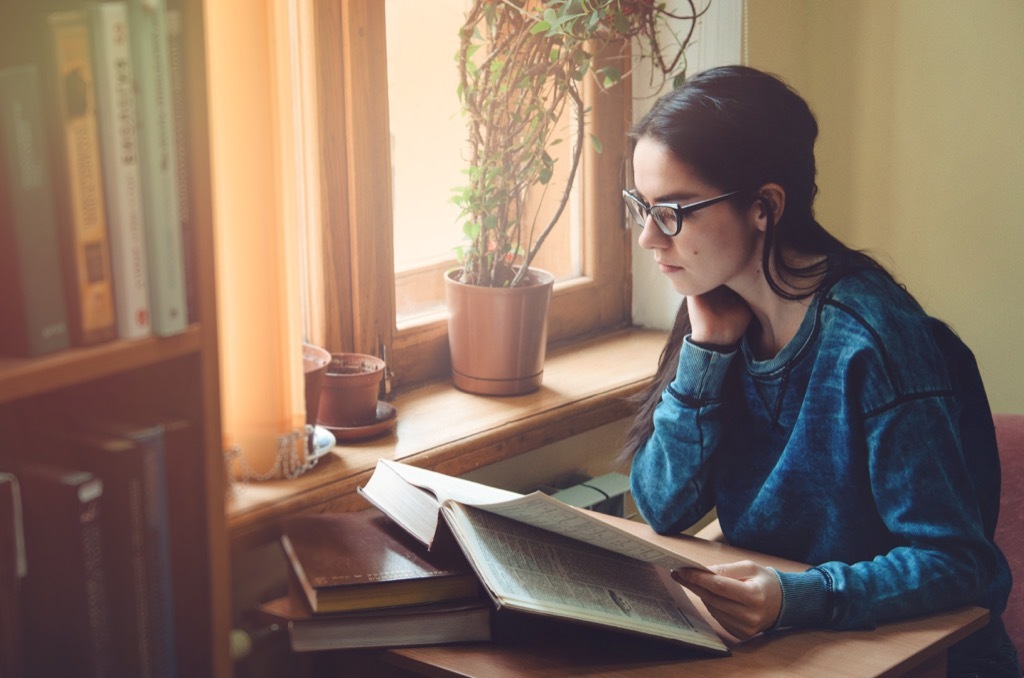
x=921, y=153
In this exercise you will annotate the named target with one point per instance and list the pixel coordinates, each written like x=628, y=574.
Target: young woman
x=803, y=392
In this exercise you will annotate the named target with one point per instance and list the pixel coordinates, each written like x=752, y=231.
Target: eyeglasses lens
x=636, y=212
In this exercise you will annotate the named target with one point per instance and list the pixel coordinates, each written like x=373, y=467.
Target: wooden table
x=914, y=647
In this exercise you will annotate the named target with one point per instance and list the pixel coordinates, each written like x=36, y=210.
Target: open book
x=538, y=555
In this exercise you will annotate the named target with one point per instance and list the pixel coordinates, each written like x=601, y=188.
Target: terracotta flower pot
x=351, y=386
x=497, y=335
x=314, y=365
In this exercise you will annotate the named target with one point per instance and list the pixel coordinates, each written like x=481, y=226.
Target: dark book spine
x=131, y=461
x=32, y=307
x=65, y=604
x=12, y=573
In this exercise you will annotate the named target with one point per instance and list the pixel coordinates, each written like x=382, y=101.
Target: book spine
x=115, y=105
x=82, y=216
x=32, y=307
x=66, y=617
x=12, y=572
x=158, y=558
x=176, y=50
x=137, y=479
x=147, y=22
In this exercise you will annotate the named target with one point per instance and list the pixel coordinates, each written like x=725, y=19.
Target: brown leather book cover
x=362, y=561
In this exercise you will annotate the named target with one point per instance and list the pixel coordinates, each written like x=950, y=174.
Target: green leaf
x=539, y=27
x=596, y=143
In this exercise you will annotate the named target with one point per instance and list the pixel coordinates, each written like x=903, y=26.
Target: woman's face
x=717, y=245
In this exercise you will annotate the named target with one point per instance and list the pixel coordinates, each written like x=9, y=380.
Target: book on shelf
x=361, y=560
x=65, y=609
x=129, y=458
x=189, y=557
x=457, y=621
x=147, y=25
x=539, y=556
x=33, y=311
x=79, y=180
x=176, y=52
x=115, y=106
x=13, y=568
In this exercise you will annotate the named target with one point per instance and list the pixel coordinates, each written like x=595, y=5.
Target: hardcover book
x=176, y=51
x=33, y=312
x=81, y=204
x=67, y=623
x=13, y=568
x=115, y=105
x=147, y=24
x=430, y=624
x=361, y=561
x=130, y=460
x=539, y=556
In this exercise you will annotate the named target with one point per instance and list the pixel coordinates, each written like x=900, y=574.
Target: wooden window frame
x=355, y=189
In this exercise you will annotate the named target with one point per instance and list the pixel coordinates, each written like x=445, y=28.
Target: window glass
x=429, y=156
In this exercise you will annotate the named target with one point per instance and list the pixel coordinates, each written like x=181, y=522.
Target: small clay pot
x=350, y=390
x=314, y=366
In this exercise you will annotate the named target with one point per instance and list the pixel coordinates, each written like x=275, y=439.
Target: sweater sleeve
x=943, y=559
x=670, y=473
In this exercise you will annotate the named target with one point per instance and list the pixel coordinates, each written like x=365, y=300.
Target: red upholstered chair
x=1010, y=528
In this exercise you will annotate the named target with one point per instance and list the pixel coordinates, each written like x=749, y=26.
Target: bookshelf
x=176, y=375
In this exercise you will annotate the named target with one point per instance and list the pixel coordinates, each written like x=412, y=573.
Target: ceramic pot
x=314, y=366
x=498, y=335
x=350, y=390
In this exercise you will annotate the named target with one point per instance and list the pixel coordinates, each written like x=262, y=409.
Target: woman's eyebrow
x=680, y=197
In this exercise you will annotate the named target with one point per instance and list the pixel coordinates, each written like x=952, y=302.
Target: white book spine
x=119, y=145
x=147, y=22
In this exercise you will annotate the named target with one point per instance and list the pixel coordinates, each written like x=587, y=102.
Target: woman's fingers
x=744, y=597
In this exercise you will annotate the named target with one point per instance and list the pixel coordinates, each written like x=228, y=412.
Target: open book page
x=530, y=569
x=537, y=509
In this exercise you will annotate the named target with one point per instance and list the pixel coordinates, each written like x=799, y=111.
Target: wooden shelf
x=585, y=386
x=23, y=378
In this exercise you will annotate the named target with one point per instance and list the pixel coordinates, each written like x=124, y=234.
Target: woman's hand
x=744, y=597
x=718, y=317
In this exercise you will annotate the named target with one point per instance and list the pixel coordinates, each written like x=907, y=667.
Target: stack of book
x=410, y=571
x=92, y=228
x=85, y=537
x=358, y=580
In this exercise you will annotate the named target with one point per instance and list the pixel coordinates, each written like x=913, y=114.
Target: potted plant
x=521, y=63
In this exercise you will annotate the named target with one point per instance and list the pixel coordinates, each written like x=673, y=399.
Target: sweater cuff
x=701, y=371
x=805, y=598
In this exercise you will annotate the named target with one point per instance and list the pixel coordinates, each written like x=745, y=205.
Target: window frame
x=355, y=210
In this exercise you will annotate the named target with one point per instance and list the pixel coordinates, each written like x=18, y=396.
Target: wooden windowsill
x=585, y=386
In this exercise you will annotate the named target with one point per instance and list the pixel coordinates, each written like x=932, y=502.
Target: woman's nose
x=651, y=236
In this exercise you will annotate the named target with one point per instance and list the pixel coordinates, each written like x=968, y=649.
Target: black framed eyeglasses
x=668, y=216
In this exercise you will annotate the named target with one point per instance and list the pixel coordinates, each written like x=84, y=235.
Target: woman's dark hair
x=739, y=128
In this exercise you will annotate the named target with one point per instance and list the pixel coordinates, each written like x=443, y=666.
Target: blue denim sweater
x=865, y=448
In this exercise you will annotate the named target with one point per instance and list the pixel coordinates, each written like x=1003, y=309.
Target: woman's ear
x=769, y=196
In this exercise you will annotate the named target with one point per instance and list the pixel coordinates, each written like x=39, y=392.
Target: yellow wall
x=921, y=153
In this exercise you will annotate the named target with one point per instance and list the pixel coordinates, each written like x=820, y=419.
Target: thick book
x=33, y=312
x=65, y=609
x=115, y=106
x=460, y=621
x=130, y=460
x=361, y=560
x=13, y=567
x=179, y=95
x=537, y=555
x=79, y=181
x=147, y=24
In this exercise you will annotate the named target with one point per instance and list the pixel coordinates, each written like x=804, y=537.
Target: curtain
x=256, y=195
